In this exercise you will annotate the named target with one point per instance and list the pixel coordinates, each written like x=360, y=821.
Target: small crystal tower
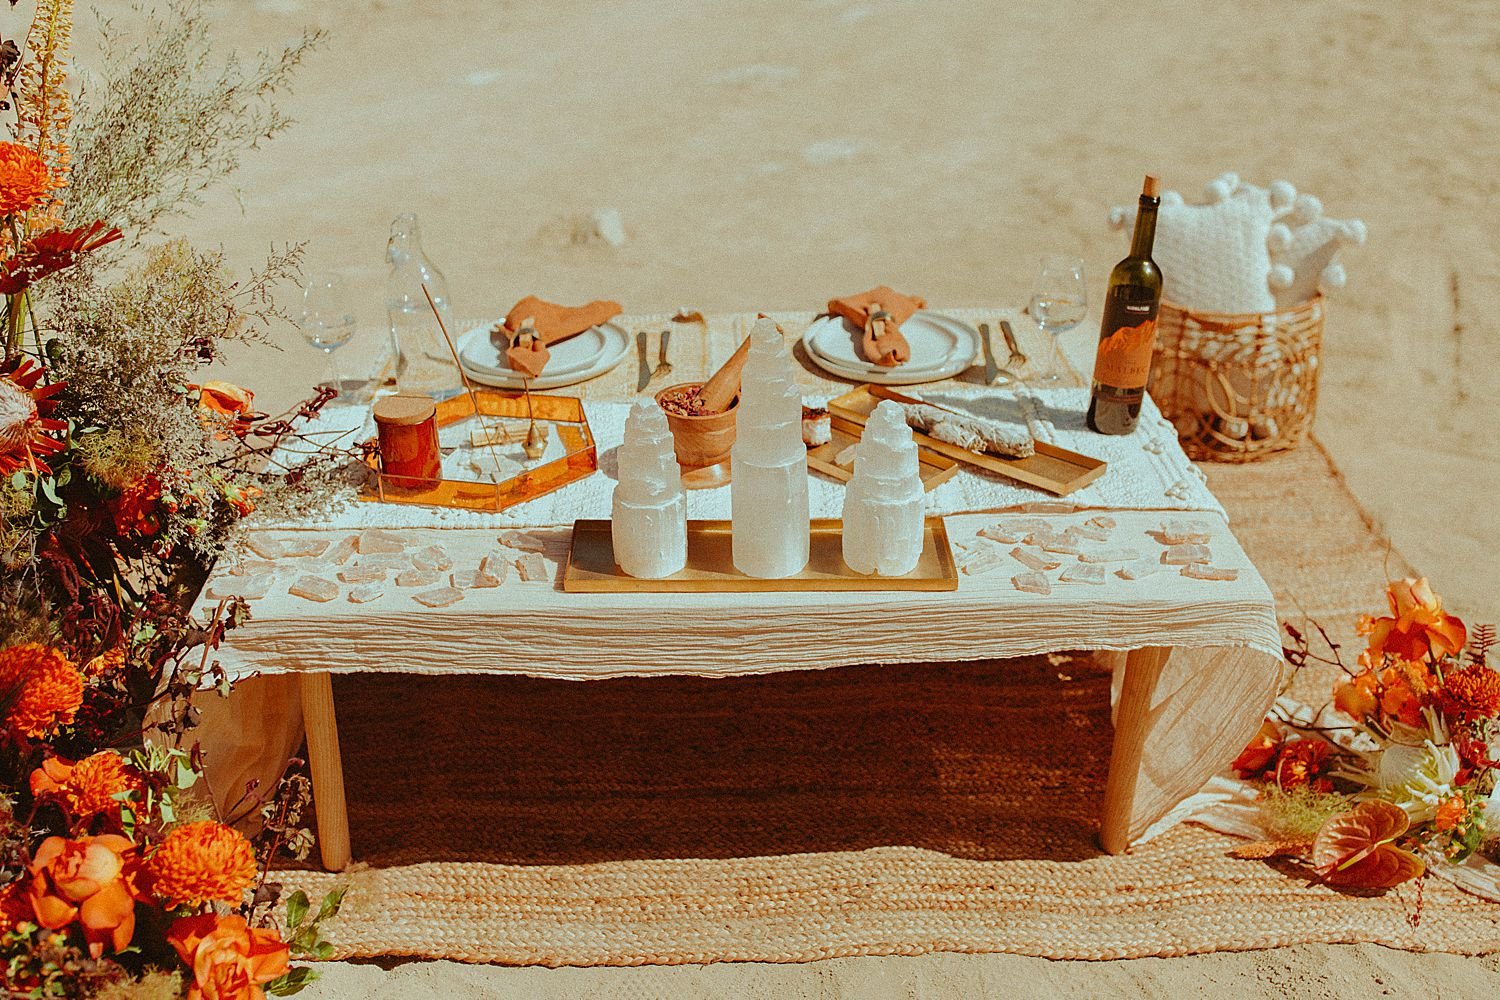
x=768, y=494
x=883, y=502
x=650, y=508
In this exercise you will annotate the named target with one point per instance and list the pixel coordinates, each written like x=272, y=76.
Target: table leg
x=326, y=768
x=1143, y=668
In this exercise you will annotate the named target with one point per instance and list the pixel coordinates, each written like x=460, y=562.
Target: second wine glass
x=328, y=319
x=1059, y=300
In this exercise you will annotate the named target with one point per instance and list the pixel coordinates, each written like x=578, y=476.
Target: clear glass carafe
x=424, y=363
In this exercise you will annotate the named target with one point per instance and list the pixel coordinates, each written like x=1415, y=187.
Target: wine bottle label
x=1124, y=359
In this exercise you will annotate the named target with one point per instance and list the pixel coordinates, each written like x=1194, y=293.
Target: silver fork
x=663, y=366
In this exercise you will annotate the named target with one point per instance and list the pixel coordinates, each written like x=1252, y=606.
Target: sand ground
x=766, y=155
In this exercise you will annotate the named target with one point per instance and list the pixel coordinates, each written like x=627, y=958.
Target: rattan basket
x=1238, y=387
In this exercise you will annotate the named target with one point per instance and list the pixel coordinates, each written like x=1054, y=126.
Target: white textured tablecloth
x=1208, y=702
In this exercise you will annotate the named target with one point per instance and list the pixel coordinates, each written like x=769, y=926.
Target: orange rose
x=1259, y=752
x=230, y=960
x=92, y=880
x=42, y=686
x=1417, y=627
x=1404, y=689
x=1357, y=696
x=219, y=402
x=200, y=862
x=87, y=788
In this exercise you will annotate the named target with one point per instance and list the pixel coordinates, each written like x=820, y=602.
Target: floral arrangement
x=1400, y=771
x=123, y=473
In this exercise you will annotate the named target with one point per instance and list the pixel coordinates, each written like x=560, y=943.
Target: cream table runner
x=1214, y=687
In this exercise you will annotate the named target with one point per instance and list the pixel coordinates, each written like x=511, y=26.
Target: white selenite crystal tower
x=883, y=502
x=650, y=508
x=768, y=492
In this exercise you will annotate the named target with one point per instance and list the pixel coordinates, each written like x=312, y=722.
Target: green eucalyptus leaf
x=296, y=908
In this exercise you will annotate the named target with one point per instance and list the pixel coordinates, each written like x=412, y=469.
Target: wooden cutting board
x=1056, y=470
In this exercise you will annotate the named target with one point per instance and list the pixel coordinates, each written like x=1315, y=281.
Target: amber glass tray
x=573, y=456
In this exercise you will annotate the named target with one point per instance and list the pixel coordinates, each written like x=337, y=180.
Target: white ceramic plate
x=941, y=347
x=577, y=359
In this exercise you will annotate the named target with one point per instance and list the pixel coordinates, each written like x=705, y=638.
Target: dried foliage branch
x=163, y=123
x=44, y=107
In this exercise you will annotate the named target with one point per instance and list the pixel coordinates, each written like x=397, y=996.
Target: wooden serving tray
x=1056, y=470
x=710, y=568
x=935, y=469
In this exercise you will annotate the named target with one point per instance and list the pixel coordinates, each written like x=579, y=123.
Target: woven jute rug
x=870, y=810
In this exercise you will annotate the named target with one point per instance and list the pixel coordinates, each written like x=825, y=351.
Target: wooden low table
x=1198, y=661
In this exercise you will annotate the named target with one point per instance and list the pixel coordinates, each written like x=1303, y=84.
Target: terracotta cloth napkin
x=887, y=347
x=552, y=323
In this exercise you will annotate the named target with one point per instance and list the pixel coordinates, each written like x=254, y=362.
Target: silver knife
x=645, y=377
x=991, y=369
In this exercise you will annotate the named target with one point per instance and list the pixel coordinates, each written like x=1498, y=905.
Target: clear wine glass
x=1059, y=299
x=328, y=319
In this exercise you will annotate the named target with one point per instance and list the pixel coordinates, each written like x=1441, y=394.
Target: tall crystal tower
x=768, y=494
x=650, y=507
x=883, y=502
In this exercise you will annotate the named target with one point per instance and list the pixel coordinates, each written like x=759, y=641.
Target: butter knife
x=645, y=376
x=991, y=369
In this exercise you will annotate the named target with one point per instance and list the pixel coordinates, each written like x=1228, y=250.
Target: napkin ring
x=880, y=314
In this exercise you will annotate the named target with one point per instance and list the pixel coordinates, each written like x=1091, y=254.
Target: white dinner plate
x=941, y=347
x=577, y=359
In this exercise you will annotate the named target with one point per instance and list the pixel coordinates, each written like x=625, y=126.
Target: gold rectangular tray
x=1056, y=470
x=710, y=568
x=935, y=469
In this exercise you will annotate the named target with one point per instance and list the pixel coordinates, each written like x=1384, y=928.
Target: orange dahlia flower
x=1472, y=692
x=199, y=862
x=93, y=880
x=42, y=686
x=87, y=788
x=24, y=178
x=230, y=959
x=1416, y=626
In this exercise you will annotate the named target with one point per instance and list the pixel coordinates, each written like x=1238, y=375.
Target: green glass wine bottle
x=1128, y=333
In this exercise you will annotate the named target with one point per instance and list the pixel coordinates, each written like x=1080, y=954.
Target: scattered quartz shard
x=523, y=541
x=374, y=540
x=383, y=560
x=1063, y=545
x=497, y=565
x=346, y=547
x=432, y=558
x=253, y=567
x=883, y=502
x=768, y=497
x=1139, y=569
x=314, y=588
x=366, y=592
x=1083, y=573
x=981, y=561
x=416, y=578
x=1101, y=521
x=1032, y=583
x=474, y=579
x=303, y=547
x=845, y=458
x=649, y=506
x=1181, y=555
x=1092, y=532
x=1203, y=571
x=361, y=574
x=251, y=588
x=1183, y=532
x=1108, y=555
x=264, y=546
x=1007, y=534
x=1032, y=559
x=439, y=598
x=532, y=567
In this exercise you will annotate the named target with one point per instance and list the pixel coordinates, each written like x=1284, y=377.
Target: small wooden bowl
x=700, y=441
